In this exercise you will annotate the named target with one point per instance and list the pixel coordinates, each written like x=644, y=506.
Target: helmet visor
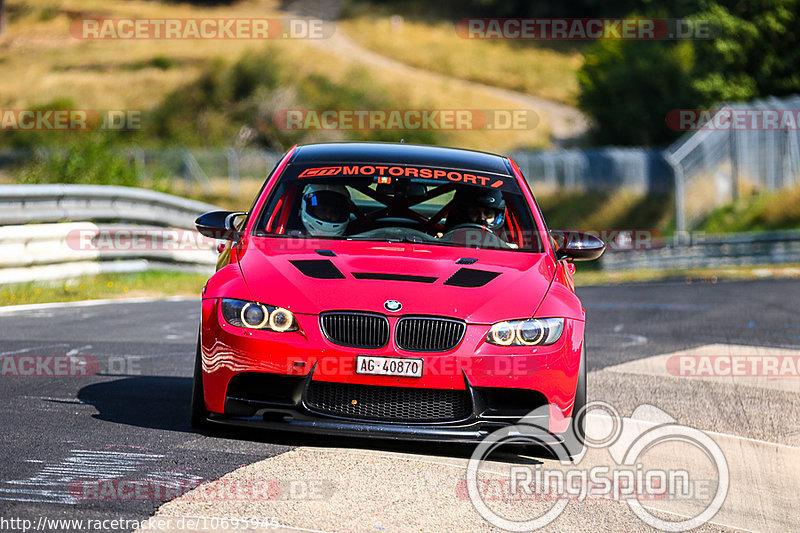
x=328, y=206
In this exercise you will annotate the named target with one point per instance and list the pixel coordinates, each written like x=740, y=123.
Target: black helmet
x=483, y=198
x=491, y=198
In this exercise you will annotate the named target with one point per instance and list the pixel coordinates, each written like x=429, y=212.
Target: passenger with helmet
x=485, y=207
x=325, y=210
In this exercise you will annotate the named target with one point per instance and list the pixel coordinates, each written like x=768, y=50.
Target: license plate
x=389, y=366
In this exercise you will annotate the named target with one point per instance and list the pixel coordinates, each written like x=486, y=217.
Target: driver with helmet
x=325, y=210
x=485, y=207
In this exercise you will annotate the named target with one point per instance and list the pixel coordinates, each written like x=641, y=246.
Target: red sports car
x=392, y=290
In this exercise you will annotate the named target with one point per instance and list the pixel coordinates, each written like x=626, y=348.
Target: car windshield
x=400, y=204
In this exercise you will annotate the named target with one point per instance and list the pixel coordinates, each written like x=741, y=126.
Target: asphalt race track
x=124, y=416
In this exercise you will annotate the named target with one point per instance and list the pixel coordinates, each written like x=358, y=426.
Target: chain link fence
x=200, y=166
x=191, y=167
x=718, y=163
x=637, y=169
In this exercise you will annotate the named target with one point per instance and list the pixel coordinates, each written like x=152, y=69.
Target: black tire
x=198, y=416
x=574, y=439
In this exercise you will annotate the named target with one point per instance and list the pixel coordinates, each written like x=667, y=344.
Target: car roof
x=401, y=153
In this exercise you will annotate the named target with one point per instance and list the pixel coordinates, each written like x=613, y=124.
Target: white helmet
x=325, y=210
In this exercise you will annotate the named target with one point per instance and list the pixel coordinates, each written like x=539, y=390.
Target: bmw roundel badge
x=392, y=305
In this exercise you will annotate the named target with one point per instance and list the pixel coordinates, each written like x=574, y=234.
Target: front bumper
x=465, y=433
x=501, y=387
x=270, y=401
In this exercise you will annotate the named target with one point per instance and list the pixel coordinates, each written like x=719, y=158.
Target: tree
x=628, y=87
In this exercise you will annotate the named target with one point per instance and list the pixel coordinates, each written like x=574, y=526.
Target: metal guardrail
x=711, y=251
x=60, y=231
x=23, y=204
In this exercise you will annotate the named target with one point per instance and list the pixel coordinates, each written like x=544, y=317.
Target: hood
x=479, y=286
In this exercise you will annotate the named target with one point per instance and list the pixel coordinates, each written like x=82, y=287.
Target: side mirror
x=577, y=246
x=221, y=225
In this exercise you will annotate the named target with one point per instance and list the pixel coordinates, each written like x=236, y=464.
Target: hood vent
x=471, y=277
x=318, y=268
x=393, y=277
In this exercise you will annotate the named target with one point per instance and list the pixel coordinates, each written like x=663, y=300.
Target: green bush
x=90, y=158
x=213, y=110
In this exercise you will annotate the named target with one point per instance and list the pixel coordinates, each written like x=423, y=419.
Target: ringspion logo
x=623, y=468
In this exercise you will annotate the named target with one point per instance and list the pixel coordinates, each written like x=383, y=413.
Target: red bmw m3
x=394, y=291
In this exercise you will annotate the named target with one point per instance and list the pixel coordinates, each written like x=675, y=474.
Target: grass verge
x=588, y=278
x=599, y=211
x=761, y=211
x=168, y=283
x=156, y=283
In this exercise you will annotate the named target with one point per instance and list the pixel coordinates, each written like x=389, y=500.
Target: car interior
x=404, y=209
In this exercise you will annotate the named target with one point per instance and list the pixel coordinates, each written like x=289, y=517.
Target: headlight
x=254, y=315
x=532, y=332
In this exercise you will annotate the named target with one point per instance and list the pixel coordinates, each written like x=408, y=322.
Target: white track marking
x=52, y=483
x=12, y=309
x=32, y=348
x=76, y=351
x=632, y=339
x=698, y=363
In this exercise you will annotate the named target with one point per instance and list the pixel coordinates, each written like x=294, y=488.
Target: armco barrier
x=710, y=251
x=47, y=232
x=23, y=204
x=39, y=224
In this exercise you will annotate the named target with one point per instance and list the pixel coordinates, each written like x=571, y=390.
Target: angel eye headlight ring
x=257, y=324
x=281, y=319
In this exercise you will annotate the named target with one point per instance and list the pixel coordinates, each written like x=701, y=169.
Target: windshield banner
x=385, y=173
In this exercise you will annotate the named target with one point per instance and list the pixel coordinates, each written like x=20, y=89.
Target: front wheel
x=576, y=434
x=198, y=414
